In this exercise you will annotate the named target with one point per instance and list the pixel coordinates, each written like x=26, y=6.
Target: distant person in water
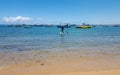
x=62, y=29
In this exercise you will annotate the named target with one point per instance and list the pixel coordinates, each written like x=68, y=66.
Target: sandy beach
x=60, y=37
x=67, y=62
x=37, y=70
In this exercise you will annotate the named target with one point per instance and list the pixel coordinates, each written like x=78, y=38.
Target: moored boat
x=84, y=26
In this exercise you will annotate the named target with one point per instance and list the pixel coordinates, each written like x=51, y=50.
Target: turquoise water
x=48, y=38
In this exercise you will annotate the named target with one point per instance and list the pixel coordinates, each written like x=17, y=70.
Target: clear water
x=48, y=38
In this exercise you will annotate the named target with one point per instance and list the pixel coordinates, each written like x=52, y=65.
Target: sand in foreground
x=60, y=63
x=38, y=70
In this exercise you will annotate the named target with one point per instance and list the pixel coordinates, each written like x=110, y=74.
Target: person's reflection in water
x=62, y=40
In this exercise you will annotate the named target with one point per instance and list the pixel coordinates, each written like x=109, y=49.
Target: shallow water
x=48, y=38
x=98, y=46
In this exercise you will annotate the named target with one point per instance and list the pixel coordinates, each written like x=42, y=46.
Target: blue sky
x=54, y=11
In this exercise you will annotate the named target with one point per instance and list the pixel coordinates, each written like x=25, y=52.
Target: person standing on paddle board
x=62, y=29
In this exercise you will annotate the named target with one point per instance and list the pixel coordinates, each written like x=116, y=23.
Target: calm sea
x=48, y=38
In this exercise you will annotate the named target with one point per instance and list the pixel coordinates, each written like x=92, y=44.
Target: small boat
x=28, y=26
x=19, y=25
x=84, y=26
x=48, y=25
x=116, y=25
x=65, y=26
x=35, y=25
x=10, y=25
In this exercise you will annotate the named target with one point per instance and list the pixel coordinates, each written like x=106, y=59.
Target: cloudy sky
x=54, y=11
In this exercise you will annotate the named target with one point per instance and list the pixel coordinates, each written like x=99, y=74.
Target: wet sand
x=68, y=62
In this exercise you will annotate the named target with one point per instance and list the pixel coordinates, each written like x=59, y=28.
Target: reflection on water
x=62, y=38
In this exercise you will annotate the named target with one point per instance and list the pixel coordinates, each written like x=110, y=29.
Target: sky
x=56, y=11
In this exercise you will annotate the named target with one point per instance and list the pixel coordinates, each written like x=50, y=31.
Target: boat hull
x=84, y=27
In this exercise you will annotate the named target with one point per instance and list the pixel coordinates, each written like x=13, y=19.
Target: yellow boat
x=84, y=26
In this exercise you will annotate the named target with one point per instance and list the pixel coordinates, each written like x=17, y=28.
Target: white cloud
x=17, y=19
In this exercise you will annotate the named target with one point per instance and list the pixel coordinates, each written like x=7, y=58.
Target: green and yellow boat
x=84, y=26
